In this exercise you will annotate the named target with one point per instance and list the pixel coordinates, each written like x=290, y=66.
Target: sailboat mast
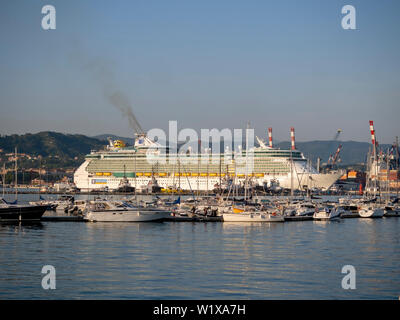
x=16, y=175
x=247, y=164
x=397, y=166
x=198, y=173
x=135, y=173
x=369, y=175
x=291, y=173
x=375, y=157
x=4, y=177
x=179, y=172
x=387, y=178
x=293, y=147
x=220, y=174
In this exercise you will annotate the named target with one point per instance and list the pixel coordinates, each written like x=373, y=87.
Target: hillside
x=50, y=143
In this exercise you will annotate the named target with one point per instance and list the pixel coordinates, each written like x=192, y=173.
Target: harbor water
x=171, y=260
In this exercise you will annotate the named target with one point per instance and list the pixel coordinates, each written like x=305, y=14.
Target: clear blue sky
x=203, y=63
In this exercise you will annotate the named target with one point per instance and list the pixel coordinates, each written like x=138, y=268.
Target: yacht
x=300, y=209
x=328, y=213
x=233, y=214
x=370, y=211
x=108, y=211
x=16, y=212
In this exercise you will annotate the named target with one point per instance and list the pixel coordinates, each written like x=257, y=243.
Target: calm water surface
x=292, y=260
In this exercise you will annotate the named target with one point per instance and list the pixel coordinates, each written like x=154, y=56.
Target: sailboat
x=370, y=209
x=256, y=215
x=250, y=213
x=18, y=212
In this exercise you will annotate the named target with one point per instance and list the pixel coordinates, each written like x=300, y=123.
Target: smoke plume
x=100, y=71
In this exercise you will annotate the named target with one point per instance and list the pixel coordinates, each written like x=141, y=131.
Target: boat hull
x=251, y=217
x=324, y=216
x=371, y=213
x=126, y=216
x=22, y=213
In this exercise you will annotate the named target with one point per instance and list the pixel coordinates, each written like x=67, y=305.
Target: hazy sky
x=206, y=64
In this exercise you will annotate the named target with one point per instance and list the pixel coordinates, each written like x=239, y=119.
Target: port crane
x=335, y=158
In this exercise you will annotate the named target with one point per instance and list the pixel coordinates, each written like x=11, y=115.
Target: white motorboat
x=370, y=211
x=239, y=215
x=107, y=211
x=328, y=213
x=300, y=209
x=305, y=209
x=251, y=217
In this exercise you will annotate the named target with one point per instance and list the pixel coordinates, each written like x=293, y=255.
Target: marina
x=169, y=260
x=209, y=209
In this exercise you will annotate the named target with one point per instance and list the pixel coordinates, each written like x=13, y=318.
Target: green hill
x=50, y=143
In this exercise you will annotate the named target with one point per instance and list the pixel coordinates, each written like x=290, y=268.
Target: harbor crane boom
x=336, y=155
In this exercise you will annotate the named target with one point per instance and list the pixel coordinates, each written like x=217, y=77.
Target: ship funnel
x=371, y=127
x=292, y=138
x=270, y=137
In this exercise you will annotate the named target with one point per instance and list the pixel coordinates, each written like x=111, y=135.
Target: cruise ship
x=104, y=169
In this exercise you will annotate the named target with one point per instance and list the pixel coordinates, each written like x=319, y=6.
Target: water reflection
x=21, y=225
x=298, y=260
x=227, y=226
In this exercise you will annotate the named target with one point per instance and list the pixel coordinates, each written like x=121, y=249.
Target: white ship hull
x=86, y=183
x=269, y=166
x=251, y=217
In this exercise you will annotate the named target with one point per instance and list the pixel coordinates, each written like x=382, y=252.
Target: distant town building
x=37, y=182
